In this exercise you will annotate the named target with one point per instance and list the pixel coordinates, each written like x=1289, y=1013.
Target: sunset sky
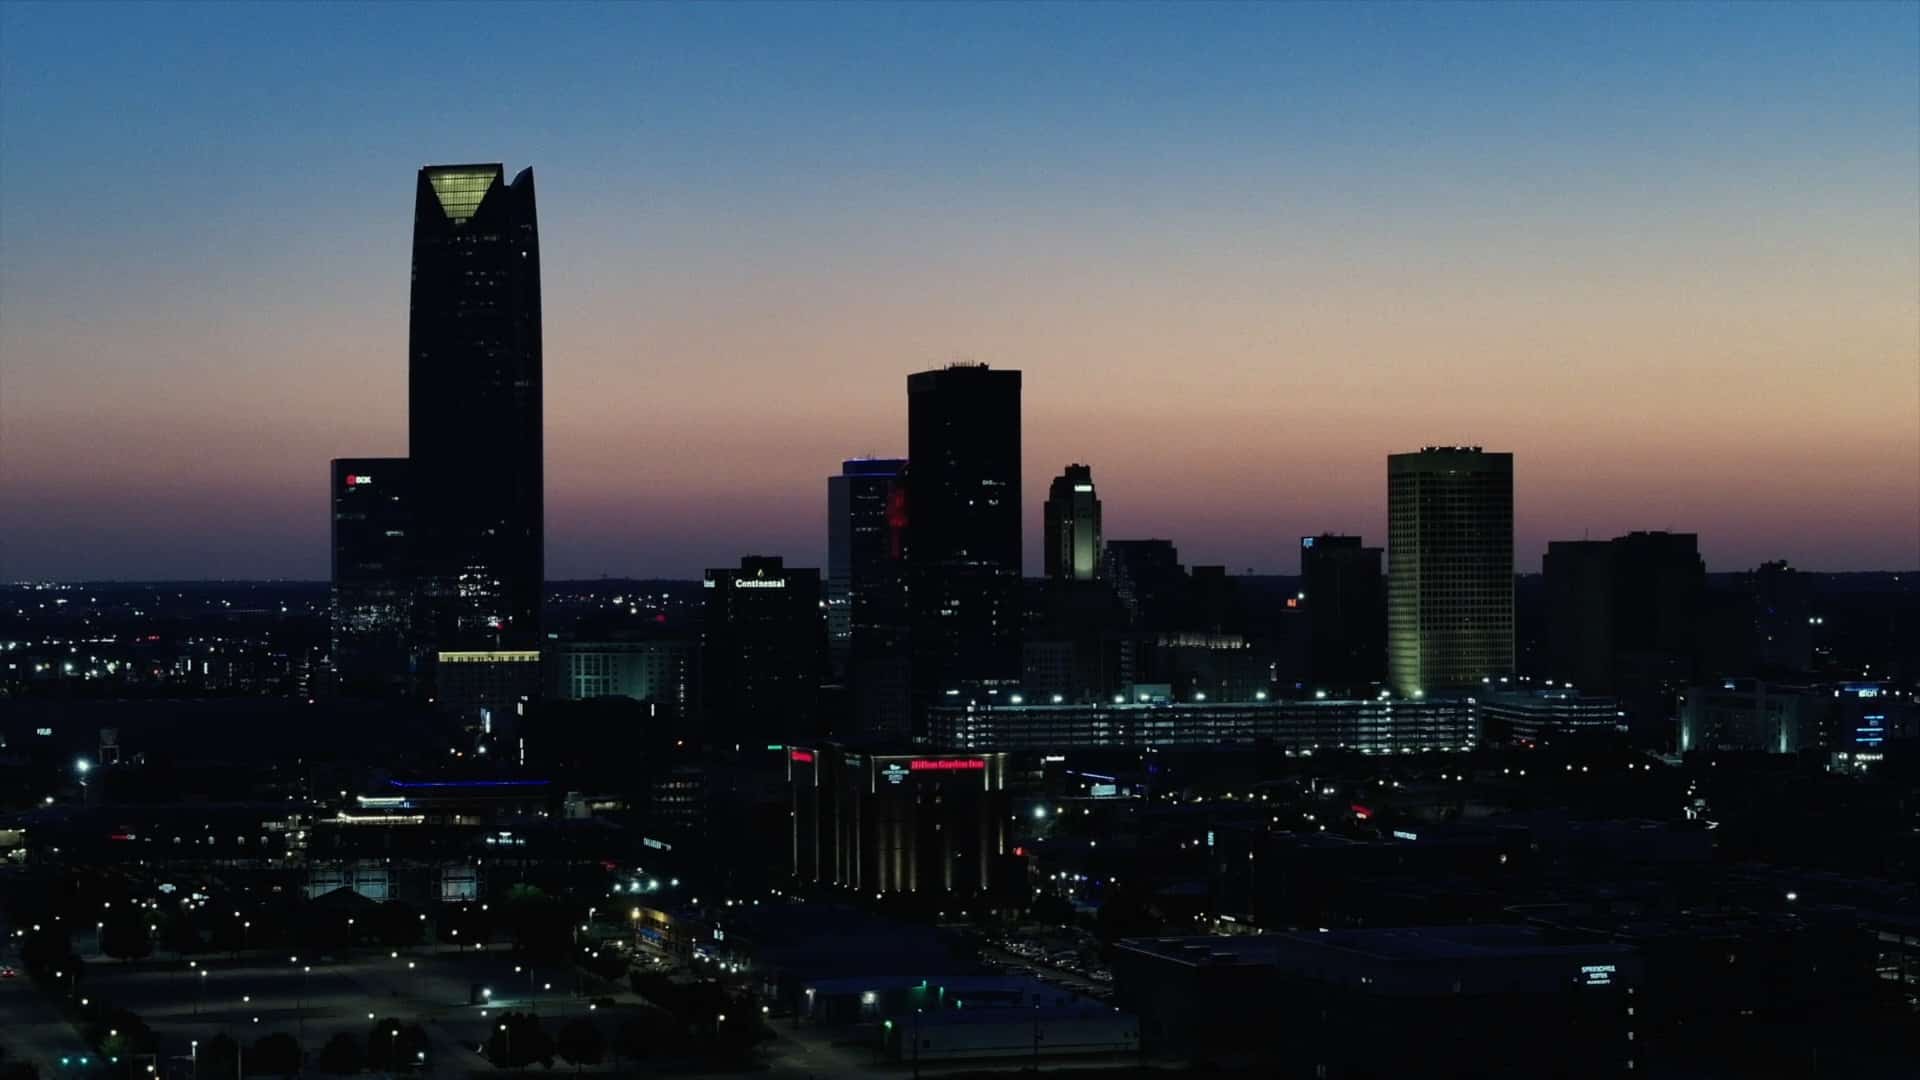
x=1668, y=255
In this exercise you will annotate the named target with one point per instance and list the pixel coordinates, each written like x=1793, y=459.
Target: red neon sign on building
x=804, y=757
x=946, y=764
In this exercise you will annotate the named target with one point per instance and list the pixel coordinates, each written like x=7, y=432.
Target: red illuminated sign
x=1293, y=601
x=946, y=764
x=804, y=757
x=1020, y=852
x=1361, y=812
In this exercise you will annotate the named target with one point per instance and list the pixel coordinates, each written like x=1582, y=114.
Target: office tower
x=963, y=532
x=1450, y=568
x=866, y=514
x=1346, y=612
x=1072, y=526
x=654, y=668
x=866, y=591
x=762, y=651
x=1579, y=582
x=1148, y=577
x=371, y=601
x=1782, y=601
x=474, y=406
x=1623, y=614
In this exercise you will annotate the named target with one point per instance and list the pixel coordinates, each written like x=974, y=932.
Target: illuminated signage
x=1361, y=812
x=804, y=757
x=1597, y=974
x=358, y=480
x=946, y=764
x=657, y=845
x=1306, y=541
x=1084, y=489
x=760, y=583
x=894, y=773
x=43, y=731
x=1402, y=834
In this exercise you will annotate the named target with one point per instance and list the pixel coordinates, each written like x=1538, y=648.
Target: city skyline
x=1233, y=288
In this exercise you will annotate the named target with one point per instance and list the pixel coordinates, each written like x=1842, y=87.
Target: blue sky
x=1333, y=230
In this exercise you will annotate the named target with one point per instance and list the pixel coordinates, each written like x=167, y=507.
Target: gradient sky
x=1668, y=255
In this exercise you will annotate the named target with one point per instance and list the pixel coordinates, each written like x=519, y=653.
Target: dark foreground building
x=883, y=822
x=1450, y=1001
x=474, y=400
x=762, y=651
x=963, y=532
x=370, y=605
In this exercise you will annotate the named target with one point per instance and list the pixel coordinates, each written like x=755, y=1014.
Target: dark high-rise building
x=1782, y=624
x=866, y=591
x=865, y=519
x=1071, y=521
x=1346, y=611
x=1580, y=585
x=1450, y=568
x=474, y=376
x=762, y=652
x=1623, y=614
x=1148, y=578
x=963, y=532
x=371, y=602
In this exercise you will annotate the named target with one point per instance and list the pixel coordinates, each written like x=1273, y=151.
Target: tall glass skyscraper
x=1071, y=520
x=963, y=530
x=474, y=372
x=372, y=598
x=867, y=591
x=1449, y=569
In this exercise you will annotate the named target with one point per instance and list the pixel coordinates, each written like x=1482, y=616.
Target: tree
x=518, y=1039
x=119, y=1033
x=218, y=1057
x=179, y=933
x=124, y=935
x=277, y=1054
x=541, y=925
x=581, y=1043
x=341, y=1055
x=393, y=1045
x=46, y=951
x=19, y=1070
x=394, y=923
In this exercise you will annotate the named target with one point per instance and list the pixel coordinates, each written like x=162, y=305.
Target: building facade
x=1071, y=521
x=1346, y=612
x=867, y=591
x=663, y=670
x=1537, y=716
x=882, y=822
x=474, y=407
x=1450, y=569
x=762, y=651
x=963, y=532
x=370, y=603
x=1623, y=614
x=1377, y=725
